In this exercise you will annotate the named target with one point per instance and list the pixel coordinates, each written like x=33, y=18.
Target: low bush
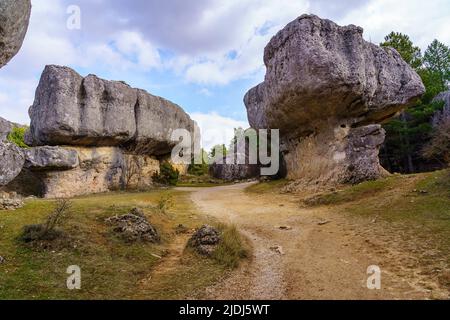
x=168, y=175
x=232, y=247
x=17, y=136
x=49, y=230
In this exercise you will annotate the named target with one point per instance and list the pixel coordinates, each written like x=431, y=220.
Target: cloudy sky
x=201, y=54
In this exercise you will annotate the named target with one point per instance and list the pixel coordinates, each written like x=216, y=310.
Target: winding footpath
x=320, y=255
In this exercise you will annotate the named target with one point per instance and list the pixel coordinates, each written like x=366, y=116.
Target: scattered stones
x=205, y=240
x=278, y=249
x=10, y=201
x=285, y=228
x=322, y=223
x=134, y=226
x=181, y=229
x=14, y=19
x=327, y=90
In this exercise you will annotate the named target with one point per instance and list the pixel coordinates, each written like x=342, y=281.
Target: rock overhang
x=88, y=111
x=317, y=71
x=327, y=90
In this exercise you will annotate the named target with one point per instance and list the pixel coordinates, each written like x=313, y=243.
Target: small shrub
x=165, y=203
x=198, y=169
x=48, y=230
x=168, y=175
x=232, y=248
x=17, y=136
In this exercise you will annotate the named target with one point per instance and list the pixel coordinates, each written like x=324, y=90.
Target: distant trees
x=439, y=146
x=410, y=132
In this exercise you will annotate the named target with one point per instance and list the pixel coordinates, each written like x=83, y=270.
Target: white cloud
x=423, y=21
x=216, y=129
x=205, y=92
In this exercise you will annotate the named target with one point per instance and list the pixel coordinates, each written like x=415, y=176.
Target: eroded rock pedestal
x=327, y=90
x=90, y=135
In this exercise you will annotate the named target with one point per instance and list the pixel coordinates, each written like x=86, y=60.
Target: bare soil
x=318, y=254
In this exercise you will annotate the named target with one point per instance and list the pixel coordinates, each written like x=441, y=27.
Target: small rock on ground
x=134, y=226
x=205, y=240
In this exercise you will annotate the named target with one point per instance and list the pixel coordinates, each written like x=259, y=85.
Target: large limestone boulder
x=50, y=158
x=14, y=18
x=12, y=161
x=324, y=84
x=72, y=110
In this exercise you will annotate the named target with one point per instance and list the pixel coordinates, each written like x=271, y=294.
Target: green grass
x=267, y=186
x=352, y=193
x=204, y=181
x=232, y=247
x=111, y=268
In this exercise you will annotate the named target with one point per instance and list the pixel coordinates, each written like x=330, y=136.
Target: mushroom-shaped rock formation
x=14, y=18
x=72, y=110
x=327, y=90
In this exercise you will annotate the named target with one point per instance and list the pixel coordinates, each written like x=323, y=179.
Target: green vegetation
x=408, y=134
x=416, y=206
x=200, y=169
x=349, y=194
x=232, y=247
x=267, y=186
x=50, y=230
x=36, y=272
x=168, y=175
x=17, y=136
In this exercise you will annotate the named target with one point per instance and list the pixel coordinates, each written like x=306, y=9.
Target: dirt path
x=317, y=260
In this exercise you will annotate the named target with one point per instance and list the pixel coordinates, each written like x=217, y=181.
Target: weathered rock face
x=100, y=170
x=5, y=128
x=444, y=97
x=324, y=84
x=12, y=161
x=72, y=110
x=229, y=171
x=14, y=18
x=50, y=158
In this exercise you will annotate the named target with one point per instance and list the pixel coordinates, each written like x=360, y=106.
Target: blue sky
x=203, y=55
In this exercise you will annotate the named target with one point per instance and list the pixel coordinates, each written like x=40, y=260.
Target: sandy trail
x=320, y=261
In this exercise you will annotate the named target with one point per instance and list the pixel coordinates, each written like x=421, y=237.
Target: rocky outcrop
x=72, y=110
x=10, y=201
x=324, y=88
x=133, y=227
x=229, y=170
x=5, y=128
x=99, y=170
x=205, y=240
x=14, y=18
x=12, y=161
x=50, y=158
